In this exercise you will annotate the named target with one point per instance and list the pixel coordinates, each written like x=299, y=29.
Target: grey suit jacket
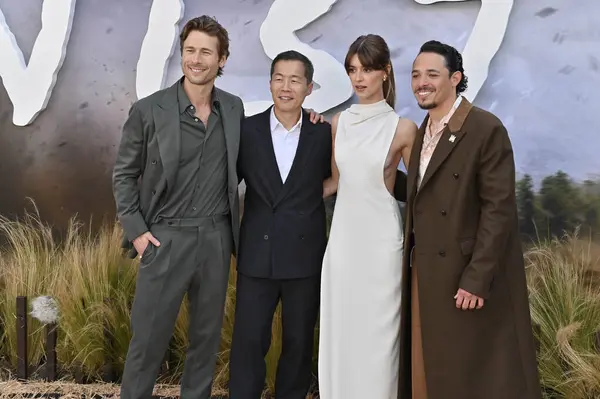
x=148, y=158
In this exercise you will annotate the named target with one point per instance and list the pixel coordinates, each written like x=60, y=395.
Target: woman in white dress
x=360, y=294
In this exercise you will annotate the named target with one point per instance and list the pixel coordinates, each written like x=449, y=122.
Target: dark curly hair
x=453, y=58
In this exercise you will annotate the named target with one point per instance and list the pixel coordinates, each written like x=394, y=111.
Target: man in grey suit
x=183, y=219
x=176, y=191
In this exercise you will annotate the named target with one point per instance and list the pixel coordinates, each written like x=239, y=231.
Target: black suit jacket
x=283, y=228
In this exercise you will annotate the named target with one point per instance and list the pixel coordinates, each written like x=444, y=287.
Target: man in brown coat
x=466, y=327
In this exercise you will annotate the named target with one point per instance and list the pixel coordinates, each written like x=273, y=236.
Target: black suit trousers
x=256, y=302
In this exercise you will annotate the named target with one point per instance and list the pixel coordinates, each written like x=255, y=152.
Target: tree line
x=559, y=206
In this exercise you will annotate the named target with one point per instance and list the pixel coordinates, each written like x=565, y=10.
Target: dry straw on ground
x=17, y=390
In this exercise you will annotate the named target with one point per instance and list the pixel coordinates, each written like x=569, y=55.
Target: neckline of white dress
x=362, y=112
x=379, y=104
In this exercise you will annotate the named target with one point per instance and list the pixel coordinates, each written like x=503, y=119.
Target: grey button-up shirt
x=201, y=184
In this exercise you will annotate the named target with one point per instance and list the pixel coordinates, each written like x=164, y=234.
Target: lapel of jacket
x=231, y=120
x=167, y=130
x=450, y=138
x=267, y=153
x=305, y=144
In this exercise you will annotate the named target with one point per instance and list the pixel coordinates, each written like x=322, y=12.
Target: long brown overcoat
x=464, y=219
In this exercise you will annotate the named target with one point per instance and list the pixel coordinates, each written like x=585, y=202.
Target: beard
x=427, y=106
x=430, y=101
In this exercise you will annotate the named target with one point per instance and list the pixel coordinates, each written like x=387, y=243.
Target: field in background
x=85, y=268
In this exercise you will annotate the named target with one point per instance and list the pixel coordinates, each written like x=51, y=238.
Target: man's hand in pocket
x=142, y=241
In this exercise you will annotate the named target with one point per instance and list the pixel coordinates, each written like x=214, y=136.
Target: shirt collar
x=184, y=100
x=275, y=122
x=446, y=118
x=444, y=121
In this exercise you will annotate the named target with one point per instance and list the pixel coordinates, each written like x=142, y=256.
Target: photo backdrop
x=71, y=69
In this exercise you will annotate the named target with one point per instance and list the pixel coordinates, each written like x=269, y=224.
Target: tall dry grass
x=564, y=286
x=93, y=283
x=81, y=273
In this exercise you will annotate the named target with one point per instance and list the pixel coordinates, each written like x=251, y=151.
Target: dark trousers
x=194, y=257
x=256, y=301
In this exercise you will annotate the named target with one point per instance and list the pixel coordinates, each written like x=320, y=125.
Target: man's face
x=200, y=60
x=289, y=86
x=431, y=83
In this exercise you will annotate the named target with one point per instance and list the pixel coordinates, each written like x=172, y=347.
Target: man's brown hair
x=211, y=27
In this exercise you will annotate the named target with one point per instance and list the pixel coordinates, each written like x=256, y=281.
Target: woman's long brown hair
x=373, y=52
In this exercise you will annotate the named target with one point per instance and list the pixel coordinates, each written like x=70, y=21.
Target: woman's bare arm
x=330, y=185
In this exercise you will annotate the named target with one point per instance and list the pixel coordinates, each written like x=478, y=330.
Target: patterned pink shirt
x=433, y=133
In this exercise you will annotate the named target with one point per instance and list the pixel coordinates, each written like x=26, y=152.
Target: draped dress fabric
x=361, y=277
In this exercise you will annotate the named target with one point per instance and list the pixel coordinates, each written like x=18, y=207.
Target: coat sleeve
x=496, y=188
x=400, y=186
x=241, y=152
x=240, y=161
x=127, y=170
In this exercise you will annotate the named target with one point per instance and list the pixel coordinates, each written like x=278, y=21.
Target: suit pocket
x=148, y=255
x=467, y=246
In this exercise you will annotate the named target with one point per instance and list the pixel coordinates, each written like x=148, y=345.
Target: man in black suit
x=283, y=159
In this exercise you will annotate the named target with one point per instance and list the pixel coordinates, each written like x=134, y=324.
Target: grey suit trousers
x=194, y=257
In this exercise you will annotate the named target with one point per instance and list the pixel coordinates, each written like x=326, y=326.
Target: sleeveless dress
x=361, y=276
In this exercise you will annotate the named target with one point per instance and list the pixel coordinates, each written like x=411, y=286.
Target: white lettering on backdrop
x=30, y=86
x=158, y=46
x=277, y=34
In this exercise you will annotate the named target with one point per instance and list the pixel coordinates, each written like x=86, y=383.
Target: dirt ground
x=17, y=390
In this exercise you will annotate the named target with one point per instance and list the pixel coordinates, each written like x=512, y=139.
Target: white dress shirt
x=285, y=143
